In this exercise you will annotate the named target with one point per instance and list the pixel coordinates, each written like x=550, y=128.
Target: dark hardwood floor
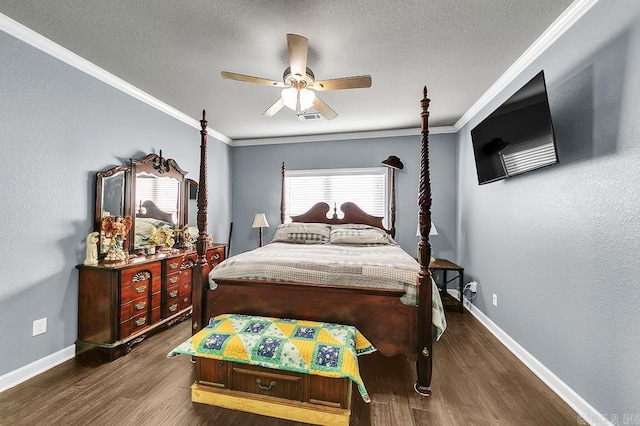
x=476, y=381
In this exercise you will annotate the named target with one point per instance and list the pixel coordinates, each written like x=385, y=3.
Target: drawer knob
x=141, y=289
x=141, y=305
x=173, y=280
x=216, y=256
x=173, y=265
x=173, y=293
x=173, y=308
x=141, y=321
x=263, y=387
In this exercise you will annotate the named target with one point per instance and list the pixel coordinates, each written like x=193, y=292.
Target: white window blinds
x=366, y=187
x=163, y=191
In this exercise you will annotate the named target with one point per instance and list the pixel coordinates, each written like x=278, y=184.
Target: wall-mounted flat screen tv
x=517, y=137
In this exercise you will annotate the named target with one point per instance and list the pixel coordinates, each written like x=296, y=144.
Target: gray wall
x=559, y=246
x=257, y=179
x=58, y=127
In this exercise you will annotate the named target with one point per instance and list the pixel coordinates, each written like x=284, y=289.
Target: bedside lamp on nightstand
x=260, y=221
x=432, y=231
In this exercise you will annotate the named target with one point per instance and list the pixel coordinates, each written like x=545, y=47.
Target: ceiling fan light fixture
x=306, y=98
x=290, y=99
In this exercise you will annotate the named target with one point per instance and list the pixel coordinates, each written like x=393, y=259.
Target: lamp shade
x=260, y=221
x=290, y=98
x=393, y=162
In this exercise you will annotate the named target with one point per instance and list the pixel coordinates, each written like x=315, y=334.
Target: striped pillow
x=302, y=233
x=360, y=235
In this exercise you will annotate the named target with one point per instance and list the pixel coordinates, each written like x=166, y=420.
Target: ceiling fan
x=299, y=84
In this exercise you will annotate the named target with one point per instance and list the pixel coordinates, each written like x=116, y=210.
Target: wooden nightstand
x=445, y=266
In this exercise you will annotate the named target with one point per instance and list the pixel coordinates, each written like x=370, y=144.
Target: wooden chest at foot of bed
x=276, y=393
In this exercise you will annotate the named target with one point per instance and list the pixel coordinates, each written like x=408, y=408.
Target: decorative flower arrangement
x=162, y=236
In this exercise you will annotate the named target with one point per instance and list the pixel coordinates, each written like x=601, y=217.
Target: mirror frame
x=156, y=165
x=153, y=164
x=126, y=202
x=188, y=184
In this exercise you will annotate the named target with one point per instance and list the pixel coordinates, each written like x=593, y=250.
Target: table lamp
x=260, y=221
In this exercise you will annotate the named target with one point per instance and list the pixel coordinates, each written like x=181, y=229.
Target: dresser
x=120, y=303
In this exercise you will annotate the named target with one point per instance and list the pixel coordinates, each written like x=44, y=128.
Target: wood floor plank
x=476, y=381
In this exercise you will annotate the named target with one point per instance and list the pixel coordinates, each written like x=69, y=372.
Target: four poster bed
x=392, y=324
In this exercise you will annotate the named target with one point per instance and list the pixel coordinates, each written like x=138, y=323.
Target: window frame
x=339, y=172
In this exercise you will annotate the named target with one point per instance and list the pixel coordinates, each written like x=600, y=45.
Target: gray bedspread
x=375, y=266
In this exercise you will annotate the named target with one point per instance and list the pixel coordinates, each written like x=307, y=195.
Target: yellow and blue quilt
x=310, y=347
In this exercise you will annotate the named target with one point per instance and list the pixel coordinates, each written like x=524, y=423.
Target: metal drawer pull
x=141, y=305
x=173, y=293
x=141, y=321
x=216, y=256
x=141, y=289
x=173, y=280
x=173, y=307
x=263, y=387
x=173, y=265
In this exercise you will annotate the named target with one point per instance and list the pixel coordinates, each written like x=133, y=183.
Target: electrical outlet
x=495, y=299
x=473, y=286
x=40, y=326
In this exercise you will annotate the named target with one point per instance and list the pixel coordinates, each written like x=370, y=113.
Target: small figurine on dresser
x=163, y=237
x=91, y=257
x=116, y=230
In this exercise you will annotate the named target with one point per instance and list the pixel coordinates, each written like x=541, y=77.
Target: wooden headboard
x=352, y=214
x=149, y=209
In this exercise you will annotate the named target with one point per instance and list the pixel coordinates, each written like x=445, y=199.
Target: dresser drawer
x=185, y=302
x=133, y=308
x=173, y=265
x=265, y=381
x=215, y=256
x=173, y=279
x=135, y=291
x=132, y=276
x=134, y=325
x=173, y=307
x=185, y=289
x=173, y=292
x=233, y=376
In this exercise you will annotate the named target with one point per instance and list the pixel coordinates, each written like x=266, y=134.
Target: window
x=367, y=187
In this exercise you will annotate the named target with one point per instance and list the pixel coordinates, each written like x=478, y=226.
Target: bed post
x=283, y=206
x=392, y=202
x=200, y=271
x=425, y=338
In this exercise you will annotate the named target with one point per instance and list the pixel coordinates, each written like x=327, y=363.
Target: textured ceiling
x=175, y=51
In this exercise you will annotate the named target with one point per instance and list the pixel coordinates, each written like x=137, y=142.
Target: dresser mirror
x=153, y=191
x=112, y=189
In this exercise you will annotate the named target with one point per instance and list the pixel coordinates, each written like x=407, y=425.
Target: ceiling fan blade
x=273, y=109
x=324, y=109
x=358, y=82
x=298, y=47
x=250, y=79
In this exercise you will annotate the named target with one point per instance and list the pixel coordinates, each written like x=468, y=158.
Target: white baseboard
x=589, y=414
x=22, y=374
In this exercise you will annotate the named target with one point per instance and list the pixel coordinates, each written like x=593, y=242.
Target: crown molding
x=49, y=47
x=565, y=21
x=341, y=136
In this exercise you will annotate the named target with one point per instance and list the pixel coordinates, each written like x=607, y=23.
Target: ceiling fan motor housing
x=294, y=80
